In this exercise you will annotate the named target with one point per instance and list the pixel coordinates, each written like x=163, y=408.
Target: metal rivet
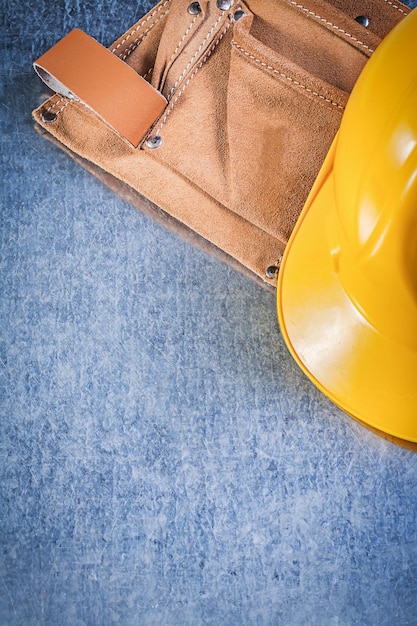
x=363, y=20
x=154, y=142
x=48, y=116
x=224, y=5
x=271, y=271
x=239, y=14
x=194, y=8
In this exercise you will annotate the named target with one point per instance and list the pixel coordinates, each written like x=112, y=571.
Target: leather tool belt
x=219, y=112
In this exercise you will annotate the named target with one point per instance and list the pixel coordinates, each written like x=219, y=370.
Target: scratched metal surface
x=164, y=461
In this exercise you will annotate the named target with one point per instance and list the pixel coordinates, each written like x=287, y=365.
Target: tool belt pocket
x=246, y=98
x=281, y=119
x=255, y=100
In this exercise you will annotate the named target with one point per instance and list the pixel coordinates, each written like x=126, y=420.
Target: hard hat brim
x=369, y=376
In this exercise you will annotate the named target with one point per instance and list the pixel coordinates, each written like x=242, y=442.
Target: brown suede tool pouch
x=226, y=113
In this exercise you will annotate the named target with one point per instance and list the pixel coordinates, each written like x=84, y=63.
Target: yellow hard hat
x=347, y=287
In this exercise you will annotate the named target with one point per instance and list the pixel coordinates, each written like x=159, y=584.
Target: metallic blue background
x=163, y=459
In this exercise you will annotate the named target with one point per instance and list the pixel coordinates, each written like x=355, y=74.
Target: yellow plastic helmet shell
x=347, y=287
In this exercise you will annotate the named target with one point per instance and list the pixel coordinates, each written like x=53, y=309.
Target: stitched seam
x=132, y=47
x=195, y=55
x=148, y=73
x=66, y=102
x=288, y=78
x=188, y=81
x=396, y=7
x=181, y=41
x=341, y=30
x=141, y=23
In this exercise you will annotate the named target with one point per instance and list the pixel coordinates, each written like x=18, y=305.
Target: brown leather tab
x=78, y=66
